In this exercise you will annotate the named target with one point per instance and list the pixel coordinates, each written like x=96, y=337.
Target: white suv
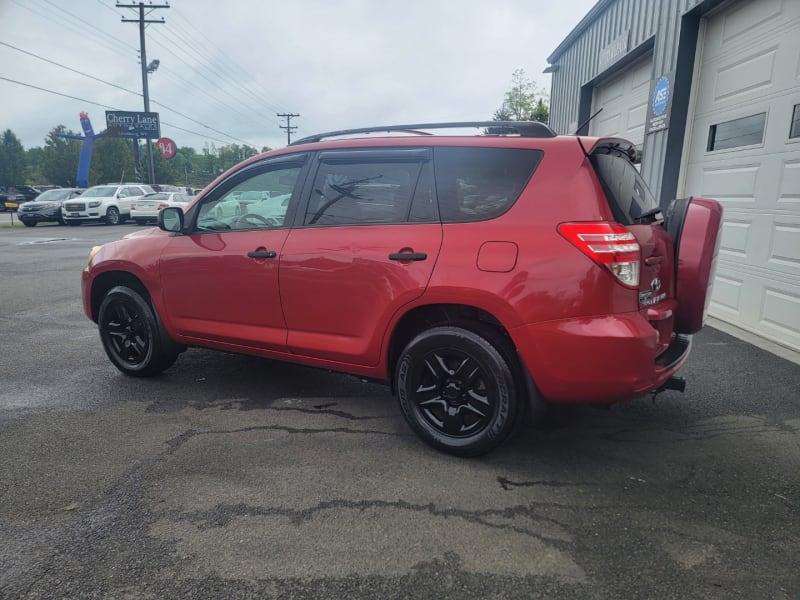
x=104, y=203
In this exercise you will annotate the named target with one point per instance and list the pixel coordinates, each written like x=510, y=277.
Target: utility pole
x=145, y=91
x=288, y=127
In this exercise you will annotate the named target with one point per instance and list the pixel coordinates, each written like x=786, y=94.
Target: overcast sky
x=227, y=68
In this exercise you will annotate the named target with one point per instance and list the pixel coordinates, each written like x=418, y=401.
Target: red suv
x=473, y=273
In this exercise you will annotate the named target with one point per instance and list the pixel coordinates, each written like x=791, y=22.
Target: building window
x=794, y=130
x=747, y=131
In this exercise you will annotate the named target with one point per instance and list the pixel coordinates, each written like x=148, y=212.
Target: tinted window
x=474, y=184
x=794, y=130
x=627, y=193
x=358, y=192
x=258, y=202
x=746, y=131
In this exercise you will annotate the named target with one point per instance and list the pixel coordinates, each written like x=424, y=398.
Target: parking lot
x=231, y=476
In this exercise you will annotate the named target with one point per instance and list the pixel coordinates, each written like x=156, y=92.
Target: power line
x=235, y=66
x=52, y=62
x=49, y=91
x=169, y=108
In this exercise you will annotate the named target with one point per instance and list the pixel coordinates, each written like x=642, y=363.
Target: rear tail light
x=162, y=206
x=608, y=244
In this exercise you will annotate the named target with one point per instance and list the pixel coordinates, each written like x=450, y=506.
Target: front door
x=220, y=281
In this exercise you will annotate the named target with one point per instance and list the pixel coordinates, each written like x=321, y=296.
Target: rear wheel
x=112, y=216
x=457, y=389
x=132, y=335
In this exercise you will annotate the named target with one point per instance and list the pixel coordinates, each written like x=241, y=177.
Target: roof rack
x=521, y=128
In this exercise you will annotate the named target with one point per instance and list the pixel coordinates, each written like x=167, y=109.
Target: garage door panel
x=763, y=69
x=784, y=254
x=745, y=22
x=727, y=293
x=623, y=99
x=781, y=312
x=734, y=239
x=789, y=194
x=752, y=74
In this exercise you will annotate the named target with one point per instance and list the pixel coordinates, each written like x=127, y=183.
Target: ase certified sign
x=135, y=125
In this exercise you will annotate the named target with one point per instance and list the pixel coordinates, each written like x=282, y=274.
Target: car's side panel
x=340, y=288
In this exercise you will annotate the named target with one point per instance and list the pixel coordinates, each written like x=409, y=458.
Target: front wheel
x=112, y=216
x=132, y=335
x=457, y=390
x=29, y=223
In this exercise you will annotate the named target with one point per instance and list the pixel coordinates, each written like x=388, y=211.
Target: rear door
x=364, y=246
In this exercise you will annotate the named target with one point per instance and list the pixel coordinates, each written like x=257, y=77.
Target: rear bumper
x=598, y=359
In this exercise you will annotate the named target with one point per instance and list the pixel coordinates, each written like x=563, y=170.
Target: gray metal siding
x=647, y=20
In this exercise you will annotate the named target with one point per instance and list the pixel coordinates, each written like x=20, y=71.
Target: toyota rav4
x=475, y=274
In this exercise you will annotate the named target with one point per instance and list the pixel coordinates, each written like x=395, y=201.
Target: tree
x=112, y=161
x=59, y=164
x=12, y=160
x=523, y=102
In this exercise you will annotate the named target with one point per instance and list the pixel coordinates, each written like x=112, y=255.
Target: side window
x=476, y=184
x=747, y=131
x=134, y=191
x=352, y=193
x=258, y=202
x=123, y=193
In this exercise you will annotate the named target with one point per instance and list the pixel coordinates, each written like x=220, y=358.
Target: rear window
x=628, y=195
x=476, y=184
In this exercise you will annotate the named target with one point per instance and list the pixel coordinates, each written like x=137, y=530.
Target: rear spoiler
x=609, y=145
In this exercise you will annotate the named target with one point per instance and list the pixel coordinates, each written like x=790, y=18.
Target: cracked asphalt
x=235, y=477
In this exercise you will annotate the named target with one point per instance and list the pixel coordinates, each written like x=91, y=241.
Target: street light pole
x=143, y=55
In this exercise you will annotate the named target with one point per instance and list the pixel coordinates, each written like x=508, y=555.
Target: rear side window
x=628, y=195
x=476, y=184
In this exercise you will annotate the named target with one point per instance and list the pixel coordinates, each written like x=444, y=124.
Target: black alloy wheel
x=457, y=390
x=112, y=216
x=132, y=336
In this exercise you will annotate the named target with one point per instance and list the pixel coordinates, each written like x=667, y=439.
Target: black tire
x=132, y=335
x=457, y=390
x=112, y=216
x=71, y=223
x=29, y=223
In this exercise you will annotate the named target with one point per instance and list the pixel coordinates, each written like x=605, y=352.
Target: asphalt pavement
x=235, y=477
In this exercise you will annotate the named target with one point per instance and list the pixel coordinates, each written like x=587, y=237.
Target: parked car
x=146, y=208
x=11, y=198
x=473, y=274
x=46, y=207
x=110, y=204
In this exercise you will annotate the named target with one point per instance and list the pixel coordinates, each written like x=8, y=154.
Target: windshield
x=101, y=191
x=51, y=195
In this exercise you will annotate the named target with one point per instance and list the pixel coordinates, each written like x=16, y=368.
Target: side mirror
x=171, y=219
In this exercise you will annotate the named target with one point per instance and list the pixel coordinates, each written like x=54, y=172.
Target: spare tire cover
x=697, y=246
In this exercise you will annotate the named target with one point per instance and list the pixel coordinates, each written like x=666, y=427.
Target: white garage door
x=623, y=99
x=745, y=152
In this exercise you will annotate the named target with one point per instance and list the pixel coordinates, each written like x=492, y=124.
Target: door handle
x=408, y=256
x=262, y=254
